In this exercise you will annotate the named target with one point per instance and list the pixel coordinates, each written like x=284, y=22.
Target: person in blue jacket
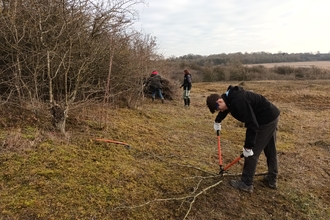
x=261, y=118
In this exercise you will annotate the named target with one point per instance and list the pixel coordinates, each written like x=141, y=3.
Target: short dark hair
x=211, y=101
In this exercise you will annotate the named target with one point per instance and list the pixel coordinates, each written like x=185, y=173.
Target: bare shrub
x=283, y=70
x=169, y=91
x=256, y=69
x=220, y=73
x=236, y=74
x=196, y=76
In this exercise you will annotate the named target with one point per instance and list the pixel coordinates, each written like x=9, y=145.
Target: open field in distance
x=319, y=64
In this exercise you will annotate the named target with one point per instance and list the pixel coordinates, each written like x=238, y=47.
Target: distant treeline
x=251, y=58
x=232, y=67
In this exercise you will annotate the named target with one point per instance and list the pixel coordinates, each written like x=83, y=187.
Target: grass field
x=171, y=169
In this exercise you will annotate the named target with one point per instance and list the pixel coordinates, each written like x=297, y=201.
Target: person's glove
x=217, y=126
x=247, y=152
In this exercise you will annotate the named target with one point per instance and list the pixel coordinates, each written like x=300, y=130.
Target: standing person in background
x=187, y=83
x=154, y=83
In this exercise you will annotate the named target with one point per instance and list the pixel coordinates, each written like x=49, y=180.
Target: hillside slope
x=170, y=169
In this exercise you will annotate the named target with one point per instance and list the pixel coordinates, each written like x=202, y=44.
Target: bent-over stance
x=260, y=117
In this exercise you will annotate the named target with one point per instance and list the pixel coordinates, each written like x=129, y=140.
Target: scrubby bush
x=220, y=73
x=236, y=74
x=283, y=70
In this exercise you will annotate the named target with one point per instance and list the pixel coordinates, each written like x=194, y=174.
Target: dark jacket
x=187, y=82
x=248, y=107
x=155, y=82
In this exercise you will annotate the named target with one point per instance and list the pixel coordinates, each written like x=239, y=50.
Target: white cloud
x=213, y=27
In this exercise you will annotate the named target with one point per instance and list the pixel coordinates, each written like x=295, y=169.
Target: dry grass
x=173, y=158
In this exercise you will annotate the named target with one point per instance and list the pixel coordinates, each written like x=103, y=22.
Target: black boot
x=188, y=102
x=185, y=102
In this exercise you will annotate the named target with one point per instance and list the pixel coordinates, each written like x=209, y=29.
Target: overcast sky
x=206, y=27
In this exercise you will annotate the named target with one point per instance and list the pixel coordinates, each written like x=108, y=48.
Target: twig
x=176, y=199
x=205, y=171
x=204, y=190
x=194, y=194
x=239, y=174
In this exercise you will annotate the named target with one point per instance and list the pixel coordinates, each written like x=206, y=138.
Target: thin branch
x=194, y=197
x=196, y=192
x=201, y=192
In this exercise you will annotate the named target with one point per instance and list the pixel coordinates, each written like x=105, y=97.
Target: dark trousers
x=265, y=141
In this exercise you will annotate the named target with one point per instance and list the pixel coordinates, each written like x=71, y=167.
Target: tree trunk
x=59, y=117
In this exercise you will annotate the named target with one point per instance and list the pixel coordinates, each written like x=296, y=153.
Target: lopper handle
x=112, y=141
x=219, y=149
x=233, y=162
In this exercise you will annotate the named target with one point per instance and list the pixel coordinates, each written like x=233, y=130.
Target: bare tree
x=57, y=51
x=63, y=51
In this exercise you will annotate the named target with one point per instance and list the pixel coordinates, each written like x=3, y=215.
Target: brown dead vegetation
x=170, y=171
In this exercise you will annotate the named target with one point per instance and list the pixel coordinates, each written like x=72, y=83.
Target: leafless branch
x=192, y=196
